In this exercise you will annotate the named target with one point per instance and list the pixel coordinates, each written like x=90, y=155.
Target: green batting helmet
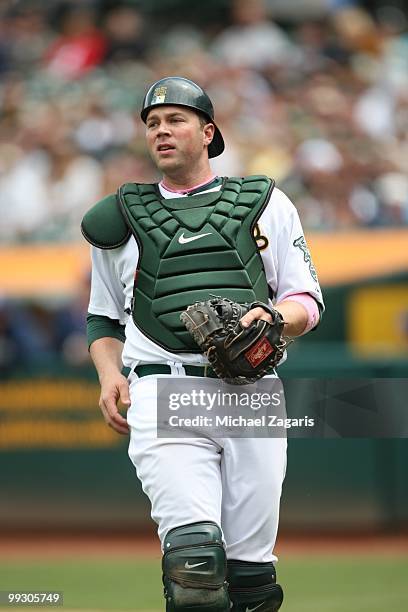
x=183, y=92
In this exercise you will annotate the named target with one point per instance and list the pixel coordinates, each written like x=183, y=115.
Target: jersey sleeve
x=107, y=294
x=296, y=271
x=288, y=262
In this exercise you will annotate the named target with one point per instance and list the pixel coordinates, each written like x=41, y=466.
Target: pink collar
x=190, y=189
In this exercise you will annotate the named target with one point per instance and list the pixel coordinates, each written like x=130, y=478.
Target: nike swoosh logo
x=188, y=566
x=256, y=607
x=183, y=240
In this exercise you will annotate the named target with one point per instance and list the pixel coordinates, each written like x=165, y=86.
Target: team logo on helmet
x=159, y=95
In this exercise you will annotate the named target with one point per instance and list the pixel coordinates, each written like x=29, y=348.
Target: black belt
x=161, y=368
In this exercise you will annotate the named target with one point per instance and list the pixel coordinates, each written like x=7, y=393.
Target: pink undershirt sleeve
x=311, y=307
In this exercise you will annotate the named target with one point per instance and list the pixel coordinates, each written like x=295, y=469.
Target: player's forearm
x=295, y=316
x=106, y=354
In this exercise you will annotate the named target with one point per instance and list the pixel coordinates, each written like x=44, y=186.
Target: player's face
x=175, y=138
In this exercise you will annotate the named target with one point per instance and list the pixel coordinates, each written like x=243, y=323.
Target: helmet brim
x=217, y=145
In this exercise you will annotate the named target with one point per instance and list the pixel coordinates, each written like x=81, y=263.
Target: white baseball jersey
x=284, y=253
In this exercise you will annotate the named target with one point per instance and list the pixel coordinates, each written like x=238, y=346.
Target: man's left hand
x=253, y=315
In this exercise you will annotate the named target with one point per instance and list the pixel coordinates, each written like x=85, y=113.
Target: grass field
x=323, y=583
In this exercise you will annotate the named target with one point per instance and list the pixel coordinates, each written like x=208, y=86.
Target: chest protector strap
x=191, y=248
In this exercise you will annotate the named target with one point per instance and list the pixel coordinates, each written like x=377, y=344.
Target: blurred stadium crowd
x=319, y=103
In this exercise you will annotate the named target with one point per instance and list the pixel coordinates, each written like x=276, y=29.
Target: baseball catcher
x=160, y=251
x=238, y=355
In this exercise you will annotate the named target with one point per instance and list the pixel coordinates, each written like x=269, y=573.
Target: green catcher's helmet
x=183, y=92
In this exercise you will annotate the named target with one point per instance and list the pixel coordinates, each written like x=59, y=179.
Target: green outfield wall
x=62, y=467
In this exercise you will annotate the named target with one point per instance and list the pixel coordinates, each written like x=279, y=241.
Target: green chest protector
x=189, y=249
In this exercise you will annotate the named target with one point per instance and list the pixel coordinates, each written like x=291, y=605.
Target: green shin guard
x=181, y=599
x=194, y=569
x=252, y=586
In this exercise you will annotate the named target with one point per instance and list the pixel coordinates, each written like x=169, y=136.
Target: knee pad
x=194, y=569
x=252, y=586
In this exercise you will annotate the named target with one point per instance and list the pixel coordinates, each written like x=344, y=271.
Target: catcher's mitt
x=238, y=355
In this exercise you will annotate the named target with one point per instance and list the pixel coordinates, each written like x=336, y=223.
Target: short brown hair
x=203, y=120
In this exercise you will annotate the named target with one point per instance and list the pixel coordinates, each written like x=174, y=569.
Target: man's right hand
x=106, y=354
x=115, y=388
